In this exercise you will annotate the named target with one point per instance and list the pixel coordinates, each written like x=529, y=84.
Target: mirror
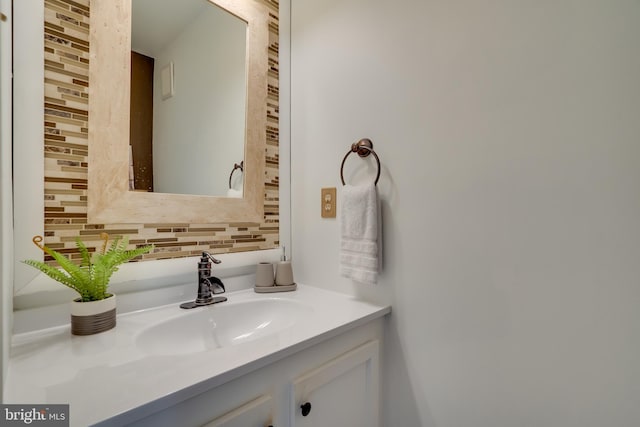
x=109, y=198
x=188, y=97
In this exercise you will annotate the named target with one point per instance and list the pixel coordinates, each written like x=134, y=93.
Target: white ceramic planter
x=88, y=318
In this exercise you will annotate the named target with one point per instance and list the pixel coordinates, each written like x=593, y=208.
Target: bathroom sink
x=220, y=325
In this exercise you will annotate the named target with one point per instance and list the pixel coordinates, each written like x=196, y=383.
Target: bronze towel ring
x=364, y=147
x=236, y=166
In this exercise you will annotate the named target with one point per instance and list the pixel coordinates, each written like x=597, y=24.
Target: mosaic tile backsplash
x=66, y=45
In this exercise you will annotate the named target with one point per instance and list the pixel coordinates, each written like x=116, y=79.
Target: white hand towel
x=359, y=232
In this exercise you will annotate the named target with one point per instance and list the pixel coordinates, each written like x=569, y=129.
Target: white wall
x=207, y=112
x=509, y=134
x=6, y=215
x=28, y=131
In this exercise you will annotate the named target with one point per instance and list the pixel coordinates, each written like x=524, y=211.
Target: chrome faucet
x=208, y=285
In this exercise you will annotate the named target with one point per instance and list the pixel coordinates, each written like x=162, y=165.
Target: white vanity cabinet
x=254, y=361
x=249, y=401
x=338, y=377
x=342, y=392
x=257, y=413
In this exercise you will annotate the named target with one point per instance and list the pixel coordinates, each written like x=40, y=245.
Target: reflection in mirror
x=188, y=97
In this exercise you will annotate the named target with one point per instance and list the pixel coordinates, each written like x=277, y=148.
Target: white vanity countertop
x=107, y=378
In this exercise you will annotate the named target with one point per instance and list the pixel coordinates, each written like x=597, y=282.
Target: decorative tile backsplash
x=66, y=104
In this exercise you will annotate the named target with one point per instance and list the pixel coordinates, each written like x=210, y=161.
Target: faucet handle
x=208, y=255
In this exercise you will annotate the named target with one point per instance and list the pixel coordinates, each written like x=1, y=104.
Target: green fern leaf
x=79, y=275
x=91, y=278
x=84, y=252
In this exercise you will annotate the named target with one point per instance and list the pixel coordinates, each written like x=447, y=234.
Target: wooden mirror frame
x=109, y=198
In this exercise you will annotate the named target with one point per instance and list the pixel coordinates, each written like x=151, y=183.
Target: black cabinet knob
x=306, y=408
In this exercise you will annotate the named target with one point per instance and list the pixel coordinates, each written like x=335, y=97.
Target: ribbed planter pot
x=88, y=318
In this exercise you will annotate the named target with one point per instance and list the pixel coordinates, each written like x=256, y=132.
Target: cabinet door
x=341, y=393
x=256, y=413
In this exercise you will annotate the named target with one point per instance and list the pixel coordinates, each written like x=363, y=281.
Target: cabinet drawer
x=257, y=413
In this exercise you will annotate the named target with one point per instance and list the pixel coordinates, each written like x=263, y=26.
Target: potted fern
x=95, y=310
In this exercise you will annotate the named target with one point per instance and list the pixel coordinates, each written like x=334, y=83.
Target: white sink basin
x=220, y=325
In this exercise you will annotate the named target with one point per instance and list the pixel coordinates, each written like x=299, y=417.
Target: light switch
x=328, y=202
